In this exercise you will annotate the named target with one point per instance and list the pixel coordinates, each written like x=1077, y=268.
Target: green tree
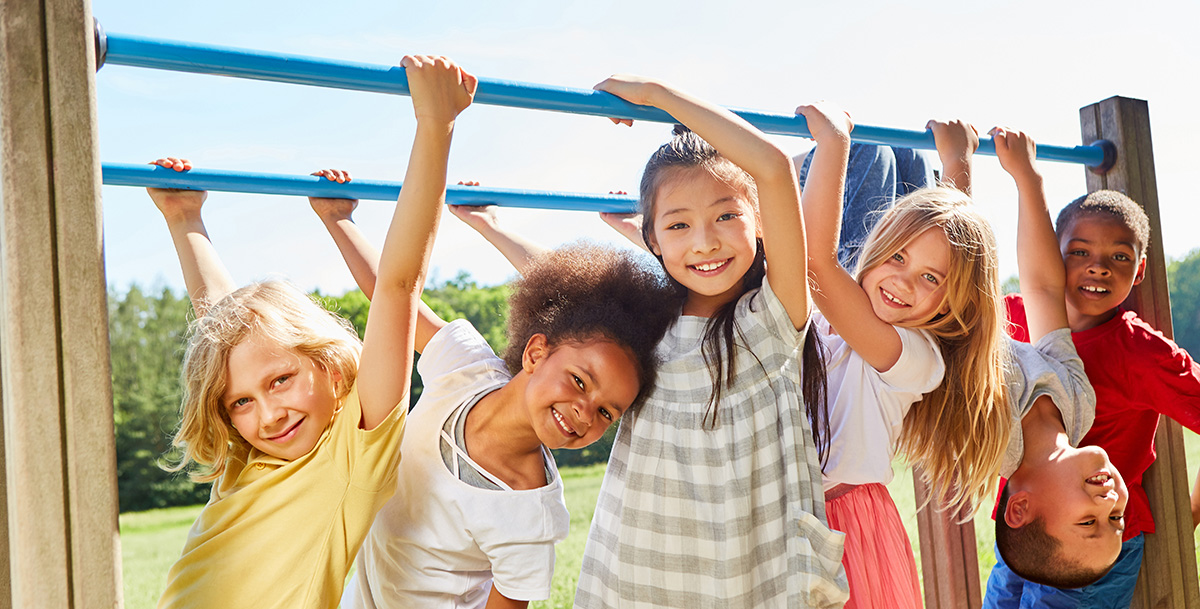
x=147, y=335
x=1183, y=281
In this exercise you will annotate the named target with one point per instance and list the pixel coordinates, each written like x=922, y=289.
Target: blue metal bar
x=242, y=63
x=124, y=174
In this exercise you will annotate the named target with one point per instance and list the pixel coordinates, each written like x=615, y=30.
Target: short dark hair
x=1030, y=552
x=585, y=291
x=1111, y=203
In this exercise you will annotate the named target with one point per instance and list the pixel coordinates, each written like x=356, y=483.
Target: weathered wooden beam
x=63, y=548
x=949, y=563
x=1168, y=578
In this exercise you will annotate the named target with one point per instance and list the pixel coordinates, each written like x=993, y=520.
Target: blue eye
x=281, y=380
x=238, y=403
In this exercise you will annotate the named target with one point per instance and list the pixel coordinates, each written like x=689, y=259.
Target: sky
x=1026, y=65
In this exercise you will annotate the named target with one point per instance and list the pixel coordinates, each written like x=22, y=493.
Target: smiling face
x=705, y=231
x=1081, y=498
x=1103, y=264
x=909, y=287
x=577, y=389
x=278, y=400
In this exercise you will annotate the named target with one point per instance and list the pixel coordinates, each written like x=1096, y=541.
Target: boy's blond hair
x=274, y=312
x=958, y=432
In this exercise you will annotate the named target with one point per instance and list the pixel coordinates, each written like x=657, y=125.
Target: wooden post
x=1168, y=577
x=949, y=563
x=60, y=460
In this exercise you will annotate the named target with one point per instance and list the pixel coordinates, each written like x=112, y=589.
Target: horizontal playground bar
x=142, y=52
x=124, y=174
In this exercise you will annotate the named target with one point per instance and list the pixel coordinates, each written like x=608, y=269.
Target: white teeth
x=563, y=423
x=709, y=266
x=888, y=295
x=1099, y=479
x=1092, y=288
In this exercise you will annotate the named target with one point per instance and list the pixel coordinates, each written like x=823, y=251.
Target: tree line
x=148, y=330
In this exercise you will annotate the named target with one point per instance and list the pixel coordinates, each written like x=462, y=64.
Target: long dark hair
x=722, y=337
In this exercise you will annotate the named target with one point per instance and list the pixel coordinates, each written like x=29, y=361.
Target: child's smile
x=909, y=286
x=278, y=400
x=705, y=231
x=1102, y=265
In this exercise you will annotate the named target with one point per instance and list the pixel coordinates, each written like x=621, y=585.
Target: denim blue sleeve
x=875, y=177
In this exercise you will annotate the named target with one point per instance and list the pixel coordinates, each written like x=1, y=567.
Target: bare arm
x=778, y=193
x=629, y=225
x=956, y=142
x=440, y=90
x=499, y=601
x=205, y=276
x=1039, y=263
x=1196, y=501
x=840, y=298
x=516, y=249
x=361, y=256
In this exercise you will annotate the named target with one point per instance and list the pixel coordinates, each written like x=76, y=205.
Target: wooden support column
x=1168, y=577
x=60, y=486
x=949, y=563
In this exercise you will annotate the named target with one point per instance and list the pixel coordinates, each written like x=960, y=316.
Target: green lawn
x=151, y=541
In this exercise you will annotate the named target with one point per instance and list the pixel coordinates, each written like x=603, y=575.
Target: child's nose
x=1098, y=268
x=585, y=411
x=705, y=239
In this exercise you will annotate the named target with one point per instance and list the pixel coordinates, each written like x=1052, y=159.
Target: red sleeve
x=1170, y=376
x=1018, y=325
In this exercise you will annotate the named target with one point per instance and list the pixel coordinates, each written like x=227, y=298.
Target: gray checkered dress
x=728, y=517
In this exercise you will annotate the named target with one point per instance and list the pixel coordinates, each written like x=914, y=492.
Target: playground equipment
x=58, y=525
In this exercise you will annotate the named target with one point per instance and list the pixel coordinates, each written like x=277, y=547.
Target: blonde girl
x=298, y=433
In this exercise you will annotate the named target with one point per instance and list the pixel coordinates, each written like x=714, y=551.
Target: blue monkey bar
x=297, y=69
x=124, y=174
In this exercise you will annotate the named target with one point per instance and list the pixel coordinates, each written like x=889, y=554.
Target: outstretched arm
x=440, y=90
x=781, y=222
x=956, y=142
x=1039, y=263
x=362, y=258
x=840, y=298
x=629, y=225
x=205, y=276
x=516, y=249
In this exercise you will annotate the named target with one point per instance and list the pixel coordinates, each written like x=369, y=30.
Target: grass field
x=151, y=541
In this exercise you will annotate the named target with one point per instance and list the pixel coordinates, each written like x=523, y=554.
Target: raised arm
x=956, y=142
x=1039, y=263
x=629, y=225
x=843, y=302
x=361, y=257
x=205, y=276
x=516, y=249
x=778, y=194
x=440, y=90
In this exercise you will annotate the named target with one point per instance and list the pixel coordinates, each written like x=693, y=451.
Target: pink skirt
x=879, y=558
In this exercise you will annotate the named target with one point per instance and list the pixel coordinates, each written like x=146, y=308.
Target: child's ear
x=535, y=351
x=1141, y=272
x=1018, y=512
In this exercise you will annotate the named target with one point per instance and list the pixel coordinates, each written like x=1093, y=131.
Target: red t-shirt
x=1137, y=374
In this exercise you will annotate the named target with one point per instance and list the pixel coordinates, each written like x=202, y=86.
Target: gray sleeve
x=1050, y=367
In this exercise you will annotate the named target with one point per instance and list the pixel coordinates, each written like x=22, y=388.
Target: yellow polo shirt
x=284, y=534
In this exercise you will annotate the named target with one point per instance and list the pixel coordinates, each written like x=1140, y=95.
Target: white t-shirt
x=867, y=407
x=441, y=542
x=1049, y=367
